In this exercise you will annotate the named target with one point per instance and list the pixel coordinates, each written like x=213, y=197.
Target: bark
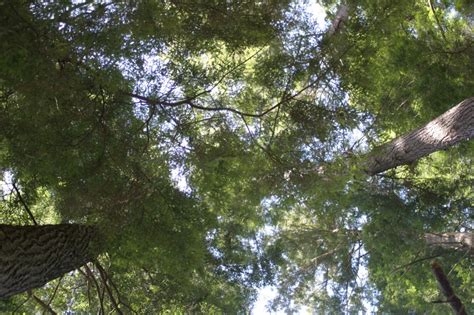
x=341, y=17
x=455, y=125
x=447, y=290
x=453, y=240
x=31, y=256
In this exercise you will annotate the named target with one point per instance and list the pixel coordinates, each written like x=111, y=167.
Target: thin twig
x=24, y=203
x=415, y=262
x=254, y=140
x=55, y=291
x=103, y=275
x=275, y=120
x=45, y=306
x=437, y=20
x=90, y=277
x=459, y=260
x=21, y=304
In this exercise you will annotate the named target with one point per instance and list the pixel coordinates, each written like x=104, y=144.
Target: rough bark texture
x=31, y=256
x=453, y=240
x=447, y=290
x=455, y=125
x=342, y=15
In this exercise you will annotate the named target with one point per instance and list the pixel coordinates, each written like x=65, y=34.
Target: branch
x=120, y=300
x=119, y=297
x=45, y=306
x=415, y=262
x=453, y=126
x=24, y=203
x=21, y=304
x=189, y=102
x=103, y=275
x=447, y=290
x=90, y=277
x=437, y=20
x=55, y=291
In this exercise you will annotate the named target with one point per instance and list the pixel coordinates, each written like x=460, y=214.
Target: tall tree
x=401, y=69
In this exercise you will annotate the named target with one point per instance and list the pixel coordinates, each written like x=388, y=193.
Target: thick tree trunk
x=31, y=256
x=455, y=125
x=452, y=240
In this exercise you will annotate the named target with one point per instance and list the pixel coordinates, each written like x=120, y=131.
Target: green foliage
x=80, y=150
x=215, y=145
x=402, y=70
x=404, y=64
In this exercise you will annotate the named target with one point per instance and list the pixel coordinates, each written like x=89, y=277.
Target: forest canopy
x=176, y=156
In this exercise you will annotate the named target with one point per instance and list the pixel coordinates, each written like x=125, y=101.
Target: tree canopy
x=221, y=146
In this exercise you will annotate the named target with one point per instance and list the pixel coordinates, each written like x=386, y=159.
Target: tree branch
x=415, y=262
x=45, y=306
x=55, y=291
x=24, y=203
x=437, y=20
x=189, y=102
x=103, y=275
x=91, y=278
x=112, y=284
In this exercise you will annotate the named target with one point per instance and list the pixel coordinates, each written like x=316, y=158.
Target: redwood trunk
x=31, y=256
x=451, y=240
x=455, y=125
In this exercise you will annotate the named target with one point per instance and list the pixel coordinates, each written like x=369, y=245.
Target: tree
x=397, y=73
x=183, y=140
x=448, y=129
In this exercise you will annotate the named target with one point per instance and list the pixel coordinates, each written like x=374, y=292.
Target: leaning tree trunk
x=447, y=290
x=451, y=240
x=455, y=125
x=31, y=256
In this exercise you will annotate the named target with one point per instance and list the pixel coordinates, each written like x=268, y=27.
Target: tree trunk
x=31, y=256
x=443, y=283
x=341, y=17
x=452, y=240
x=455, y=125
